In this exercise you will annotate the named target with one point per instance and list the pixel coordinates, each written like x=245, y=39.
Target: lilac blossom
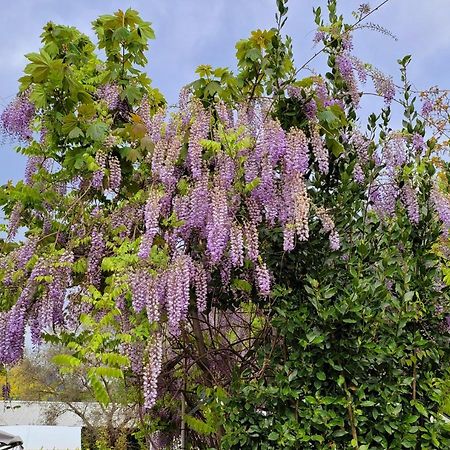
x=97, y=178
x=110, y=94
x=345, y=66
x=199, y=131
x=427, y=107
x=384, y=86
x=14, y=220
x=358, y=173
x=115, y=173
x=297, y=151
x=96, y=253
x=201, y=287
x=409, y=199
x=218, y=224
x=177, y=296
x=151, y=219
x=418, y=142
x=319, y=150
x=152, y=370
x=441, y=204
x=263, y=279
x=32, y=167
x=311, y=109
x=16, y=118
x=251, y=240
x=236, y=246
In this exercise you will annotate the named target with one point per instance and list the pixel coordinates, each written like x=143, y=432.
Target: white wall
x=33, y=413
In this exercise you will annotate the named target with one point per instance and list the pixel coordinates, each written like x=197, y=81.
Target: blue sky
x=193, y=32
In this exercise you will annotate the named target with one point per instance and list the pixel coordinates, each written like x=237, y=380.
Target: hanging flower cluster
x=16, y=118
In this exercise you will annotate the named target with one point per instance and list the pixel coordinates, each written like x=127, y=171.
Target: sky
x=194, y=32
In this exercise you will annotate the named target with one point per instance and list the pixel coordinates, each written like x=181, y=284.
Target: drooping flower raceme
x=14, y=220
x=328, y=226
x=199, y=131
x=97, y=178
x=409, y=198
x=115, y=174
x=33, y=165
x=152, y=370
x=345, y=65
x=442, y=205
x=151, y=219
x=16, y=118
x=96, y=253
x=384, y=86
x=297, y=151
x=319, y=150
x=110, y=94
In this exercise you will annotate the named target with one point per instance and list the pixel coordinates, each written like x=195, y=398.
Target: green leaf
x=213, y=146
x=75, y=133
x=69, y=123
x=336, y=147
x=108, y=372
x=330, y=292
x=97, y=131
x=254, y=54
x=131, y=154
x=420, y=408
x=40, y=66
x=368, y=403
x=321, y=376
x=213, y=88
x=199, y=426
x=80, y=266
x=273, y=436
x=292, y=375
x=116, y=359
x=66, y=360
x=38, y=96
x=121, y=34
x=242, y=285
x=132, y=94
x=100, y=392
x=327, y=116
x=314, y=337
x=252, y=185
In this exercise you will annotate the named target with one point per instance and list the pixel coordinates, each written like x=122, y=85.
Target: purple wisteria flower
x=427, y=108
x=16, y=118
